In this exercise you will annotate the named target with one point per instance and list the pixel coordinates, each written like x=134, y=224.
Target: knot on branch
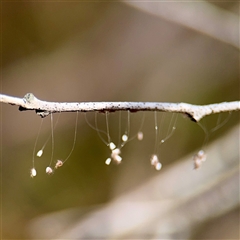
x=29, y=98
x=32, y=103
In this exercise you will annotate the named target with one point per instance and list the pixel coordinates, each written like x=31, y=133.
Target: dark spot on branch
x=133, y=110
x=191, y=117
x=22, y=109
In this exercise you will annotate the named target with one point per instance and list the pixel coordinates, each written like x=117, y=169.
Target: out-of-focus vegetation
x=112, y=51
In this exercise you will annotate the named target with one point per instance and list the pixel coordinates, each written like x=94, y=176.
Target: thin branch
x=44, y=108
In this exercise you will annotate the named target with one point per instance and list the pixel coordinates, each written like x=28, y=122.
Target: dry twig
x=44, y=108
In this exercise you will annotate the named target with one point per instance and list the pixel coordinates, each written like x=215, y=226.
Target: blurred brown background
x=116, y=51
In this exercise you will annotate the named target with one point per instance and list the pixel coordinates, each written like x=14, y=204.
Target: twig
x=44, y=108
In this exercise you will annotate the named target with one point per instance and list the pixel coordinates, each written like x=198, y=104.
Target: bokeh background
x=119, y=51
